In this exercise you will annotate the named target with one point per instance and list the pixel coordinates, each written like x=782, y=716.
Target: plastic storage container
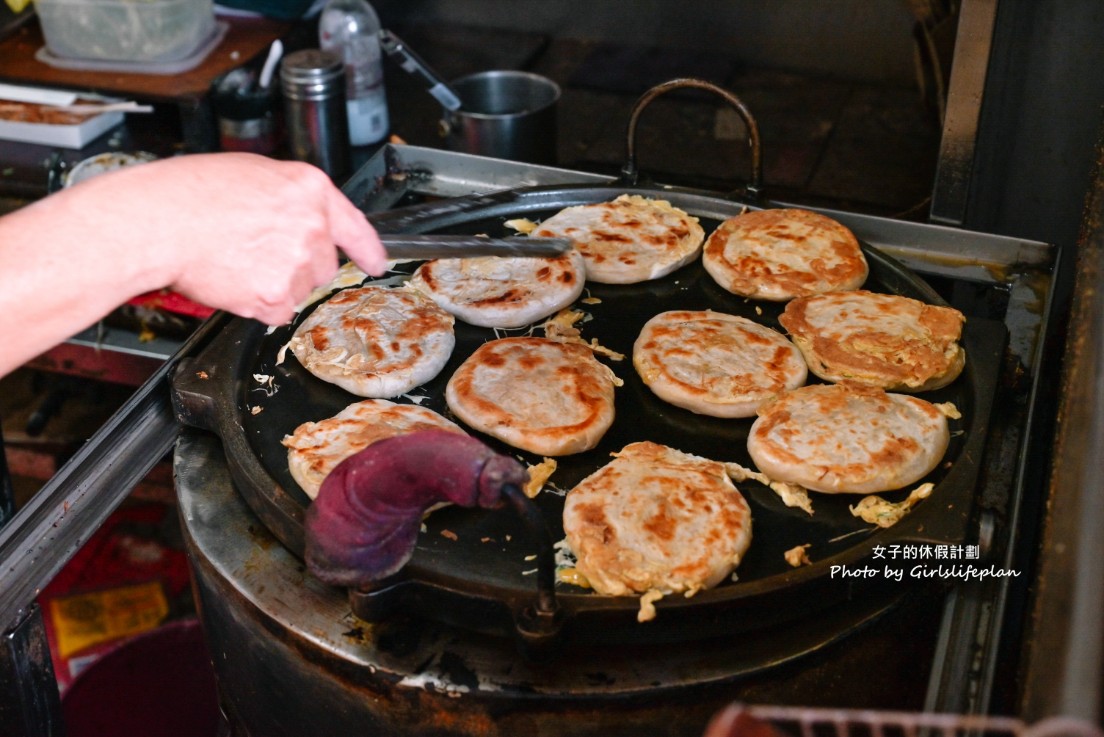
x=125, y=30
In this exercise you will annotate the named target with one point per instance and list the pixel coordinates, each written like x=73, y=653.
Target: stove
x=292, y=658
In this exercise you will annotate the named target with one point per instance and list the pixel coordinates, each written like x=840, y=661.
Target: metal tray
x=474, y=569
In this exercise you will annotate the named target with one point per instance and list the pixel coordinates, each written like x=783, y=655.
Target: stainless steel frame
x=1064, y=673
x=45, y=534
x=975, y=617
x=973, y=44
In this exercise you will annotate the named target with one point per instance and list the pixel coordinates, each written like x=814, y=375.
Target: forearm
x=237, y=232
x=62, y=271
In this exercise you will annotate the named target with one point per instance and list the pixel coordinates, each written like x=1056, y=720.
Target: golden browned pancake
x=375, y=341
x=783, y=253
x=848, y=438
x=497, y=292
x=897, y=343
x=656, y=519
x=315, y=448
x=629, y=240
x=535, y=394
x=715, y=364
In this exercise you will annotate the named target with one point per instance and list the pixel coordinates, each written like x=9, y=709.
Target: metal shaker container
x=313, y=85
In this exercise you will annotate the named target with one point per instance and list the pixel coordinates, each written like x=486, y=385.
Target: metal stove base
x=291, y=659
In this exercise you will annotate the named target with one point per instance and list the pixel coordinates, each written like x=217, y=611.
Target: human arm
x=237, y=232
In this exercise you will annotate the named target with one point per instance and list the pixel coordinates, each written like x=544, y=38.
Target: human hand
x=234, y=231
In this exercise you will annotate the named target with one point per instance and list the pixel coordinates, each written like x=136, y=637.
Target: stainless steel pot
x=506, y=115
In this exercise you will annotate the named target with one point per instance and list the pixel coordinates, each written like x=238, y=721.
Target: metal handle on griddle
x=546, y=553
x=538, y=625
x=754, y=188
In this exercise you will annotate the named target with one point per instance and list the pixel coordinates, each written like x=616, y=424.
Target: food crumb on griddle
x=450, y=535
x=561, y=328
x=647, y=605
x=521, y=225
x=798, y=556
x=792, y=495
x=266, y=382
x=538, y=476
x=949, y=410
x=877, y=511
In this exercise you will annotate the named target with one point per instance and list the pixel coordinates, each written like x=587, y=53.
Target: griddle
x=477, y=570
x=473, y=568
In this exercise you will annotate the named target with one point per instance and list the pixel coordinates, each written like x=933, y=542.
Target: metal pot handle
x=753, y=189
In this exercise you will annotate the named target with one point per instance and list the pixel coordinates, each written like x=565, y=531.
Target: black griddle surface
x=484, y=559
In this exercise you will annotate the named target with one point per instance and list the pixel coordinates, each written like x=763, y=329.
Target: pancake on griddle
x=375, y=341
x=535, y=394
x=502, y=292
x=656, y=519
x=629, y=240
x=886, y=340
x=315, y=448
x=848, y=438
x=780, y=254
x=715, y=364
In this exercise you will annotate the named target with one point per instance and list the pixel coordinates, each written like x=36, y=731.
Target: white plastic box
x=76, y=135
x=125, y=30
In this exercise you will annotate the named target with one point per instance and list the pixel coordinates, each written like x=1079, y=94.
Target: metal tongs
x=420, y=247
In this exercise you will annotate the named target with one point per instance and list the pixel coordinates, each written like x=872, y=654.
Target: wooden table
x=245, y=39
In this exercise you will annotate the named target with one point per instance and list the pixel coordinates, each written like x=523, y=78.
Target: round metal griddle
x=475, y=569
